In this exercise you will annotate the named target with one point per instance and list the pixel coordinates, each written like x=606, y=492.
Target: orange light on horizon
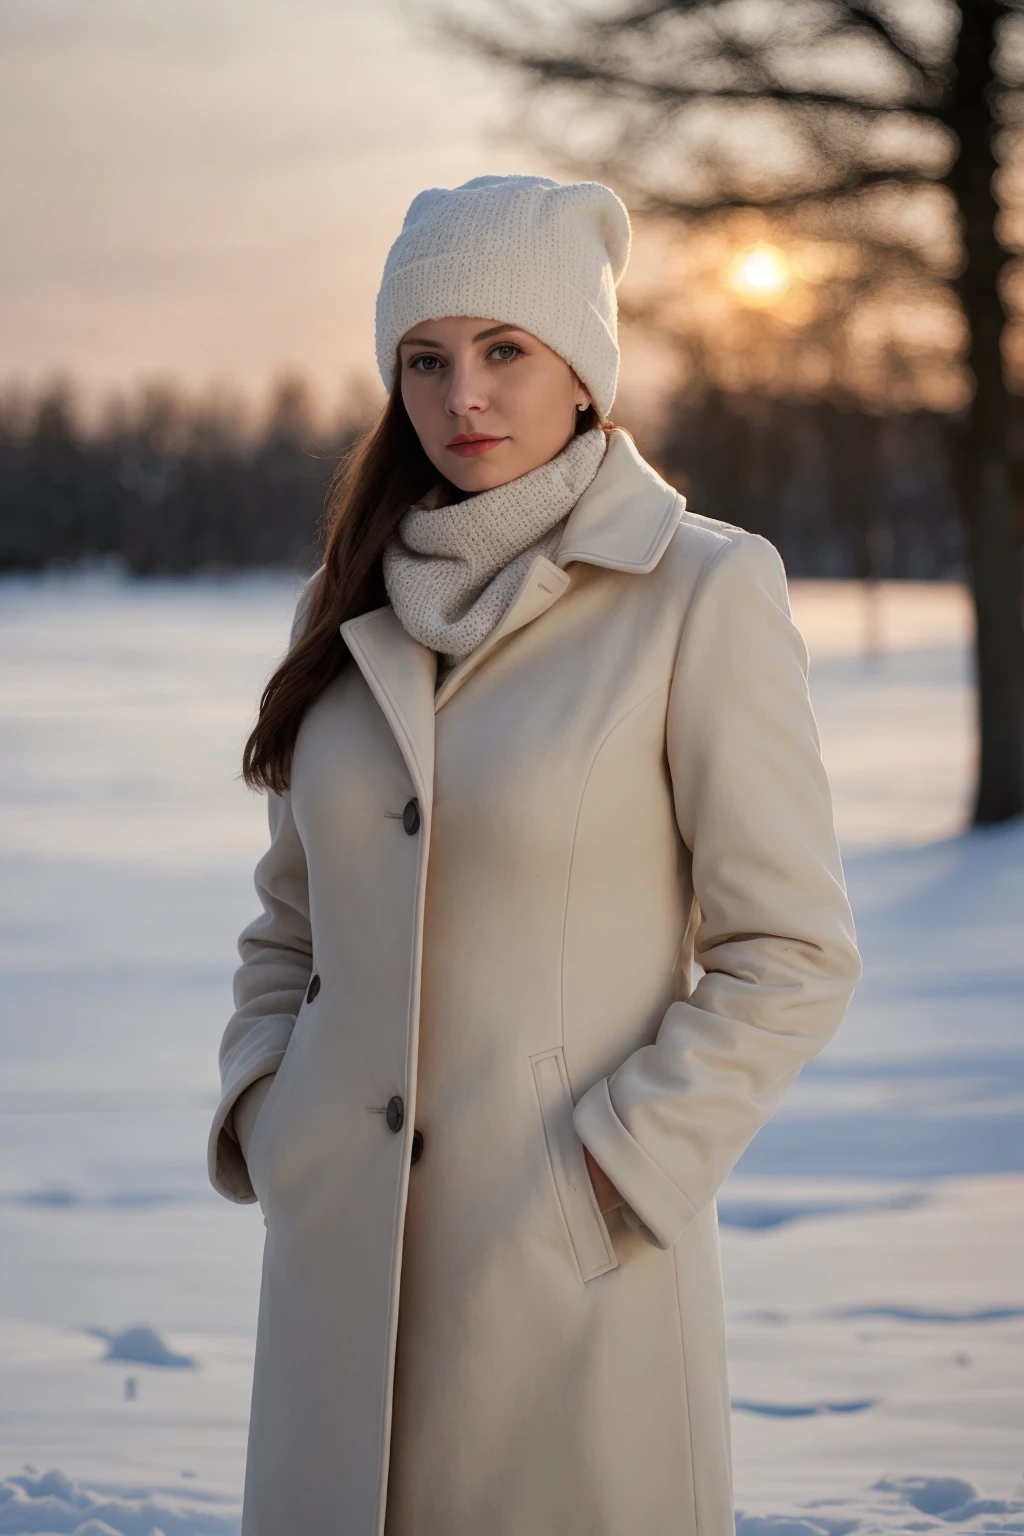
x=759, y=275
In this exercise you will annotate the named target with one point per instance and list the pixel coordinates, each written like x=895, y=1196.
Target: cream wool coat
x=623, y=777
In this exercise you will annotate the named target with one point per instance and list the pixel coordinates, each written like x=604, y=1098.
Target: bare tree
x=884, y=124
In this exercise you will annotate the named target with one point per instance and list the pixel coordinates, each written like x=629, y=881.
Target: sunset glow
x=759, y=275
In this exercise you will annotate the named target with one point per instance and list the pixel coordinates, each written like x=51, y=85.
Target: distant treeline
x=838, y=491
x=162, y=484
x=167, y=486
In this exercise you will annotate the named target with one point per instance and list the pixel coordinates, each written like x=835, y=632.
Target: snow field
x=873, y=1235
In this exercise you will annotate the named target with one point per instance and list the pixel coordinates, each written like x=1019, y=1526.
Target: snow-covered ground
x=873, y=1235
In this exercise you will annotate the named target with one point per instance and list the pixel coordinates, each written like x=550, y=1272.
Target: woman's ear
x=582, y=396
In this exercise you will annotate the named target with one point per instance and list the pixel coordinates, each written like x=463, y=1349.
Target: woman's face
x=488, y=402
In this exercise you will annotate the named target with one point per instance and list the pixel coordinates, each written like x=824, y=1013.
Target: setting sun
x=759, y=275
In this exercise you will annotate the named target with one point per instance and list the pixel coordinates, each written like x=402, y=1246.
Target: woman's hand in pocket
x=608, y=1196
x=247, y=1108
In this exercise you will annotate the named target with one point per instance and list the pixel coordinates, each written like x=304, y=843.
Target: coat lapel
x=401, y=674
x=542, y=585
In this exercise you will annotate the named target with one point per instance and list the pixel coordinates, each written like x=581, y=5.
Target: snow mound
x=940, y=1505
x=50, y=1503
x=142, y=1346
x=957, y=1502
x=931, y=1495
x=31, y=1505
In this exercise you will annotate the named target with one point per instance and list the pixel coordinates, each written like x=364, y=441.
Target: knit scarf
x=451, y=572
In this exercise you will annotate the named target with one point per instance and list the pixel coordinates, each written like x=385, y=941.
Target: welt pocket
x=588, y=1232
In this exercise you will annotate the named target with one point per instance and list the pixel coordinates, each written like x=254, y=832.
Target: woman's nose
x=466, y=392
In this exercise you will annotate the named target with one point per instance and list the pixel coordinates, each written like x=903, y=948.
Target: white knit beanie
x=519, y=250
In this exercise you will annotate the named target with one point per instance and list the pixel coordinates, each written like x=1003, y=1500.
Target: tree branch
x=549, y=69
x=865, y=18
x=664, y=204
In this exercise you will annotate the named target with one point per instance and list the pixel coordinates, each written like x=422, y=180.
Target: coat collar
x=624, y=521
x=625, y=518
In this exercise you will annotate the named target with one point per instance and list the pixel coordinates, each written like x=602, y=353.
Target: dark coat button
x=314, y=988
x=411, y=817
x=417, y=1146
x=394, y=1114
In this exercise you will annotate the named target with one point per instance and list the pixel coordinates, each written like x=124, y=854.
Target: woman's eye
x=508, y=348
x=428, y=363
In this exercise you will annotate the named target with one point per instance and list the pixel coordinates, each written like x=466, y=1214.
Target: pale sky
x=206, y=189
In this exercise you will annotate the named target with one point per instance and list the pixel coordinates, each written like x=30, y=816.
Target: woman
x=543, y=738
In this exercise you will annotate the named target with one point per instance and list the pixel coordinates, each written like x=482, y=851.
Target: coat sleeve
x=276, y=952
x=775, y=936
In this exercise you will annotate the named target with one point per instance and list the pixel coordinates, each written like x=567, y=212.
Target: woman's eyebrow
x=494, y=331
x=426, y=341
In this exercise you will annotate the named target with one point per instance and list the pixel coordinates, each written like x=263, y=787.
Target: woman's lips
x=470, y=448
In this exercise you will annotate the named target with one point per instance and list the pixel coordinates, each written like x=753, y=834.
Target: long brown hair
x=372, y=488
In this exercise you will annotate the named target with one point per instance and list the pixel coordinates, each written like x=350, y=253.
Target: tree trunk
x=985, y=481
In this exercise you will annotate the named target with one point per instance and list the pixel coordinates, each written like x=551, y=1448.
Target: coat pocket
x=254, y=1161
x=588, y=1232
x=260, y=1159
